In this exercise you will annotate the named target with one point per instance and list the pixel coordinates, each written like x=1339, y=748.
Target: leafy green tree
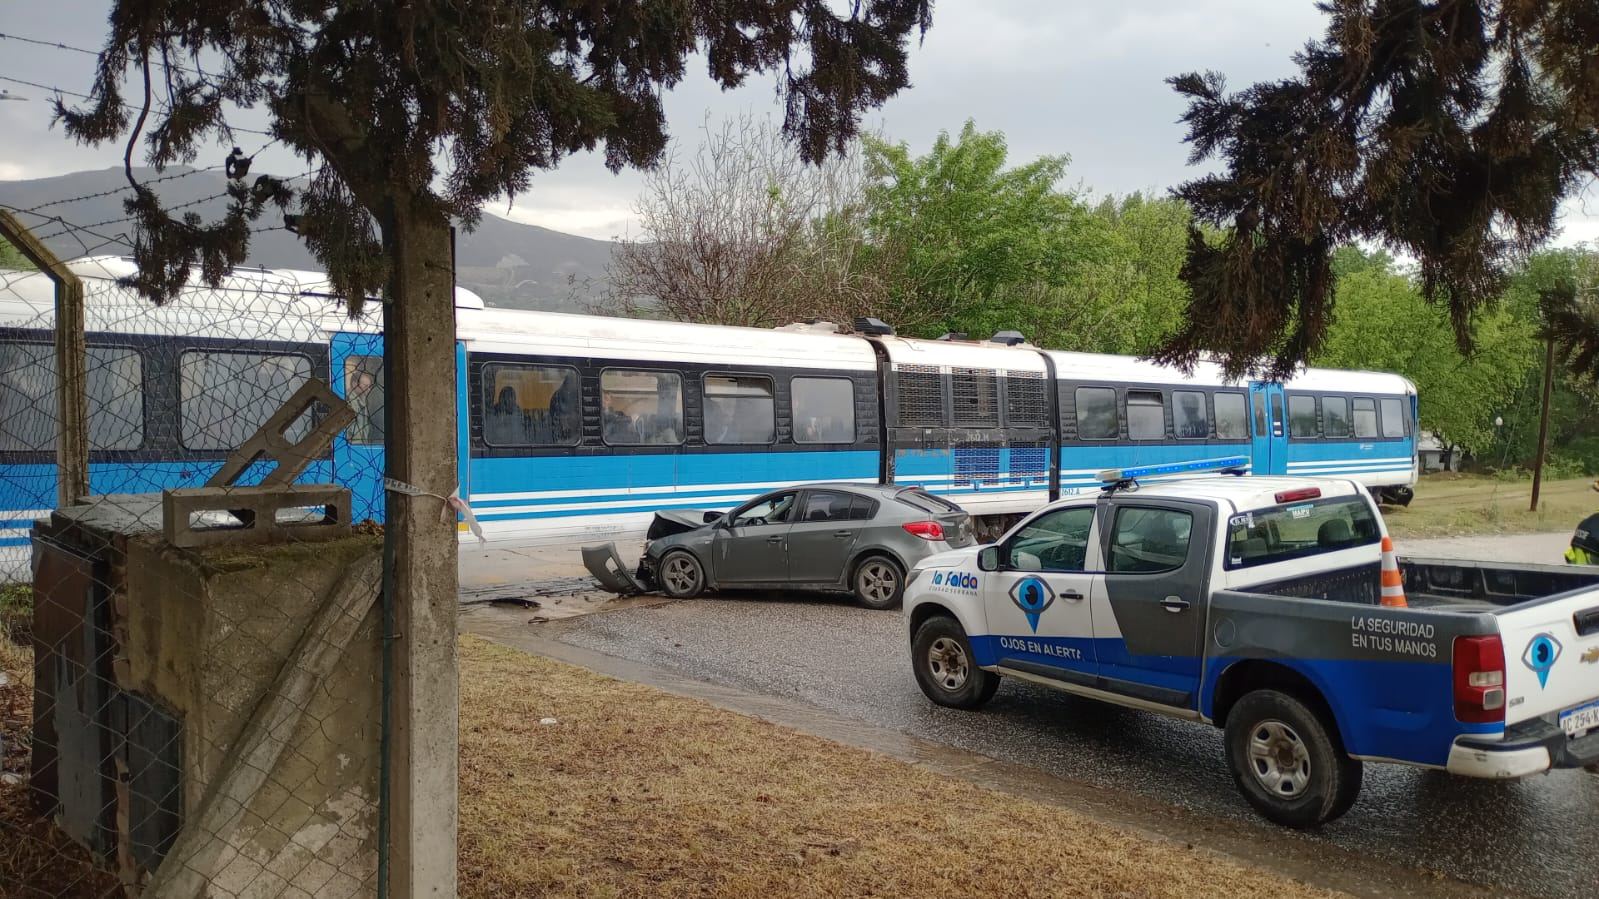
x=973, y=241
x=1384, y=323
x=11, y=257
x=1446, y=130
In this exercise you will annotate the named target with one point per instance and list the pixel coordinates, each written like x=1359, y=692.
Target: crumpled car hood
x=679, y=521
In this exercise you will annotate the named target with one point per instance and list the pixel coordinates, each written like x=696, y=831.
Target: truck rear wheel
x=1288, y=761
x=945, y=668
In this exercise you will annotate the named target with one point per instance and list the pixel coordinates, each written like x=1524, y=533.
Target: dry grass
x=636, y=792
x=1467, y=505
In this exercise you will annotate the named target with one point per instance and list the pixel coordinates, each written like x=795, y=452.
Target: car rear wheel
x=681, y=575
x=945, y=668
x=877, y=582
x=1288, y=762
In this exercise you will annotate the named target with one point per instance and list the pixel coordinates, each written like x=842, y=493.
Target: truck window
x=1146, y=541
x=1054, y=541
x=1298, y=530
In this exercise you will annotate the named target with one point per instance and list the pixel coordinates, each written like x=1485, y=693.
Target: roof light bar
x=1117, y=475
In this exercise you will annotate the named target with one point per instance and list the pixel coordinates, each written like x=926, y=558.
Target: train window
x=1232, y=417
x=114, y=389
x=1393, y=418
x=225, y=397
x=363, y=390
x=1188, y=414
x=1096, y=413
x=824, y=410
x=531, y=405
x=739, y=409
x=1365, y=417
x=1335, y=414
x=976, y=394
x=921, y=395
x=1026, y=402
x=641, y=408
x=1301, y=416
x=1146, y=415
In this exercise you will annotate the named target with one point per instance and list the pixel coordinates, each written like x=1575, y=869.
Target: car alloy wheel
x=680, y=574
x=877, y=582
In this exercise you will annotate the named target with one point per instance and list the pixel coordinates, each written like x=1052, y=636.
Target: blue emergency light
x=1226, y=463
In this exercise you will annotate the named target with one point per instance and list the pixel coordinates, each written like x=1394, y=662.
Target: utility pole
x=72, y=405
x=1543, y=422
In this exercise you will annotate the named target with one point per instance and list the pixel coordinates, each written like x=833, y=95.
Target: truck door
x=1037, y=603
x=357, y=375
x=1149, y=618
x=1269, y=435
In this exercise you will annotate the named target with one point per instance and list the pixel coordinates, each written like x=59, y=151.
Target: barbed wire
x=82, y=96
x=125, y=188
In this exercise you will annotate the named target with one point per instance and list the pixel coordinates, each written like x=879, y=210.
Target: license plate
x=1583, y=717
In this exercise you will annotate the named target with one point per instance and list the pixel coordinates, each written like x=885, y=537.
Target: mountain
x=508, y=264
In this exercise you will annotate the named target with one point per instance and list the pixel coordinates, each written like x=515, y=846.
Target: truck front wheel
x=945, y=669
x=1288, y=762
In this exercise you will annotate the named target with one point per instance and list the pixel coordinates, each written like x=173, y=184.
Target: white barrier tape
x=451, y=502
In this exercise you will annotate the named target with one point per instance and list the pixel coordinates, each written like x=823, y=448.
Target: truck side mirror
x=988, y=559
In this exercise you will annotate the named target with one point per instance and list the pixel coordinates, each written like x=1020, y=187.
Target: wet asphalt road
x=1538, y=837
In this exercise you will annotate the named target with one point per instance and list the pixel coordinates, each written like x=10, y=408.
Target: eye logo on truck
x=1032, y=596
x=1540, y=657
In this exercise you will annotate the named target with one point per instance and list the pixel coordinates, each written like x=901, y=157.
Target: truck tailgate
x=1552, y=659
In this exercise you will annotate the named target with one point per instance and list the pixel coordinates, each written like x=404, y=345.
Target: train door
x=1269, y=435
x=356, y=369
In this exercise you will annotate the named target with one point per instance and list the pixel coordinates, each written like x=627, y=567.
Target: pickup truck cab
x=1253, y=603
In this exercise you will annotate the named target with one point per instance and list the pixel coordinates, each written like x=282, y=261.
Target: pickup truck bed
x=1441, y=584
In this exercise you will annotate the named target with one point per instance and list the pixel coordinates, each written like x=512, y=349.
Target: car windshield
x=1297, y=530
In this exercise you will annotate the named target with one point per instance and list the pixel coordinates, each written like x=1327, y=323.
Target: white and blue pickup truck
x=1253, y=603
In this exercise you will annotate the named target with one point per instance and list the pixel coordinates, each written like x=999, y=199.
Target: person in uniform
x=1584, y=548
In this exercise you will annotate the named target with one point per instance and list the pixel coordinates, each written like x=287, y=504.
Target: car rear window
x=926, y=502
x=1297, y=530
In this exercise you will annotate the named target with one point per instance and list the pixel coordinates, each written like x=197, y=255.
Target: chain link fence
x=192, y=684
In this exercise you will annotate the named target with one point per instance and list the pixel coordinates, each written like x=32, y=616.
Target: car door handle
x=1070, y=594
x=774, y=539
x=1174, y=604
x=843, y=533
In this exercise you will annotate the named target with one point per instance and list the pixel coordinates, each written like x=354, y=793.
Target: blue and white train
x=574, y=426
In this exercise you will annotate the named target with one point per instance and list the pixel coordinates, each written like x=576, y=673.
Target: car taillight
x=1479, y=679
x=927, y=530
x=1289, y=496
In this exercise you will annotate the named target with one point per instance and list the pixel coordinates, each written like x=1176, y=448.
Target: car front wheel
x=681, y=575
x=1287, y=760
x=945, y=668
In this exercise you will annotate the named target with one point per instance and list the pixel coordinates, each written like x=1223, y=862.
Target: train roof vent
x=1008, y=338
x=953, y=335
x=874, y=326
x=814, y=326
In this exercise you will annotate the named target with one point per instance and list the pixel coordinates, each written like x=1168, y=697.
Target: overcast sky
x=1085, y=79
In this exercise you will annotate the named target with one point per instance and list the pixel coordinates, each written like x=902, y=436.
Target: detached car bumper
x=1531, y=747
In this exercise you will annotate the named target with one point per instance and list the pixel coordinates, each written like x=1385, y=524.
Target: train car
x=574, y=426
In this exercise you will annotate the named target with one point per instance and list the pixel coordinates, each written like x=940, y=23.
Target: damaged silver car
x=853, y=538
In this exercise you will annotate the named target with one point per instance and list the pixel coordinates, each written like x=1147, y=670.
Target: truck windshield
x=1296, y=530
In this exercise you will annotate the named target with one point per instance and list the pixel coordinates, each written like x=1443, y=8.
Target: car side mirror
x=988, y=559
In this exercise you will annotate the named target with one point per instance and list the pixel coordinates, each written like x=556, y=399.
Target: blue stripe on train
x=687, y=471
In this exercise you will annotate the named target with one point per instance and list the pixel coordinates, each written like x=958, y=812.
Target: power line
x=56, y=44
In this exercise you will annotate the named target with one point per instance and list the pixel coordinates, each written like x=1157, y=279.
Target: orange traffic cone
x=1393, y=583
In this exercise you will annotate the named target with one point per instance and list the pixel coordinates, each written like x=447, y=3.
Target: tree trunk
x=420, y=400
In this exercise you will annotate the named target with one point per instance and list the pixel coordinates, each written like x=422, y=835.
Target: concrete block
x=255, y=509
x=269, y=443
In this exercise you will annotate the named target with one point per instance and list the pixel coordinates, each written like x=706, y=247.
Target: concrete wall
x=206, y=634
